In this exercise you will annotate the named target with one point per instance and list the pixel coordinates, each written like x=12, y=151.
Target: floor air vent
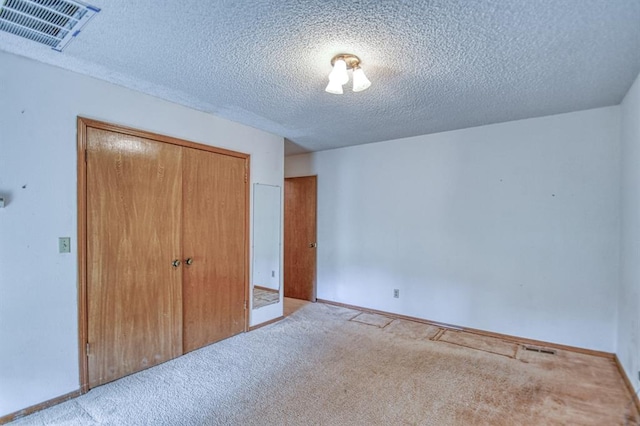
x=51, y=22
x=539, y=349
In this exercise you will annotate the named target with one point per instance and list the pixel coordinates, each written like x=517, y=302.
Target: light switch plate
x=64, y=245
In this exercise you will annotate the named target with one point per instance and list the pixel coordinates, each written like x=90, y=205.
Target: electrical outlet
x=396, y=293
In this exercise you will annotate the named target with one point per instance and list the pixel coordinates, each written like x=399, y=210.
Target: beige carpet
x=482, y=343
x=376, y=320
x=317, y=367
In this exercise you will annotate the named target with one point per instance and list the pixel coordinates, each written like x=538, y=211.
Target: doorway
x=300, y=243
x=163, y=248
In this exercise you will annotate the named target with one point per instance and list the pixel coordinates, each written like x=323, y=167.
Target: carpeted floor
x=318, y=367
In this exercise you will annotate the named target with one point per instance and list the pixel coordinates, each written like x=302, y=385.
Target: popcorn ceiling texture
x=435, y=65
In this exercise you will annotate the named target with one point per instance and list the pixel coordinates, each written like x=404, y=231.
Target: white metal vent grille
x=51, y=22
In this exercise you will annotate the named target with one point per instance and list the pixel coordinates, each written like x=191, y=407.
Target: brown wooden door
x=133, y=235
x=214, y=208
x=300, y=237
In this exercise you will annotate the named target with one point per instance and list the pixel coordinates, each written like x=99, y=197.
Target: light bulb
x=334, y=87
x=339, y=72
x=360, y=81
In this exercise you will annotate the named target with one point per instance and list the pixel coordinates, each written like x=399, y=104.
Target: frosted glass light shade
x=360, y=81
x=334, y=87
x=339, y=72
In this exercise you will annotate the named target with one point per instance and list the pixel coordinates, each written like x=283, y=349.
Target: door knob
x=313, y=245
x=176, y=263
x=189, y=261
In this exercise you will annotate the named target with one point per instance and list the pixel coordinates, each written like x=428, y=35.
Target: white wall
x=38, y=298
x=628, y=348
x=511, y=227
x=267, y=230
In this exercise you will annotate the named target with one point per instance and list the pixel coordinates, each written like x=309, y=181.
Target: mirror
x=266, y=245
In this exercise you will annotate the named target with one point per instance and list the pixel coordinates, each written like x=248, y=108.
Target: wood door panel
x=299, y=233
x=214, y=208
x=133, y=234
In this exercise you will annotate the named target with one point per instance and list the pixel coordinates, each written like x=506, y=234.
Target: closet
x=165, y=252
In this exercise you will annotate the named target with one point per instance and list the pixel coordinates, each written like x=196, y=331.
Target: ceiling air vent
x=51, y=22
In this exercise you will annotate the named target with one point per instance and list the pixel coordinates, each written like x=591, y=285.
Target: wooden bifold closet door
x=166, y=250
x=213, y=219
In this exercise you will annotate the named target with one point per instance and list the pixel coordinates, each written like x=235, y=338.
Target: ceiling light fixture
x=339, y=76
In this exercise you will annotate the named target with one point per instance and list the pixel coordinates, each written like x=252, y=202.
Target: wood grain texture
x=158, y=137
x=214, y=237
x=247, y=231
x=43, y=405
x=627, y=382
x=133, y=235
x=84, y=124
x=82, y=254
x=299, y=234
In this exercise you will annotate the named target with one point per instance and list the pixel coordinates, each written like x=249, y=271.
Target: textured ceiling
x=435, y=65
